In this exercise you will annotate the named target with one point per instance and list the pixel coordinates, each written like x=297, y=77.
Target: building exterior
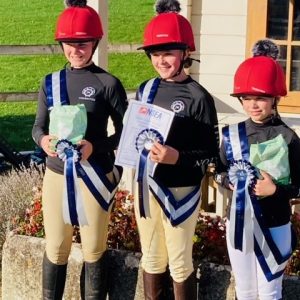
x=220, y=32
x=225, y=32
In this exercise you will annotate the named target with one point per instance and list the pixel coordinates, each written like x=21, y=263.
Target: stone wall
x=22, y=265
x=22, y=269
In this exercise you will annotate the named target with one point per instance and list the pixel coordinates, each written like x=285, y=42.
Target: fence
x=214, y=198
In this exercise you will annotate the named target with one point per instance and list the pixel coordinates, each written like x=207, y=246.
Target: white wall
x=220, y=33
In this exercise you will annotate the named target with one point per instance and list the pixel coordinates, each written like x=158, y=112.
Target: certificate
x=144, y=123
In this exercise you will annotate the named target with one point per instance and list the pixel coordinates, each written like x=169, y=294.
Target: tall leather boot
x=54, y=278
x=154, y=286
x=186, y=290
x=96, y=279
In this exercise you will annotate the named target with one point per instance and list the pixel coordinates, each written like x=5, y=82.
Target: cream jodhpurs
x=162, y=244
x=59, y=235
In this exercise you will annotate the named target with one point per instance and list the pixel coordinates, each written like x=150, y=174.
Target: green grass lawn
x=24, y=73
x=127, y=20
x=16, y=120
x=28, y=22
x=131, y=68
x=32, y=22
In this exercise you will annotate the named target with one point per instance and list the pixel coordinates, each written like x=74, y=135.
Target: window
x=279, y=20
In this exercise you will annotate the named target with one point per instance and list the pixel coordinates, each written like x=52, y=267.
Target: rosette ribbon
x=175, y=211
x=93, y=177
x=145, y=166
x=73, y=209
x=242, y=176
x=247, y=229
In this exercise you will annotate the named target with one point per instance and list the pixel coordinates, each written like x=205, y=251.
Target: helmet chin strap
x=274, y=106
x=94, y=49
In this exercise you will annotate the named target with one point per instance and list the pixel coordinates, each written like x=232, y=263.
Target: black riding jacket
x=194, y=131
x=108, y=99
x=276, y=209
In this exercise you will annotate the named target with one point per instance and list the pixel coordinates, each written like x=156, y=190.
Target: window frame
x=257, y=29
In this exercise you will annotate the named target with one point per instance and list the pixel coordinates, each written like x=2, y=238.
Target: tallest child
x=167, y=234
x=81, y=89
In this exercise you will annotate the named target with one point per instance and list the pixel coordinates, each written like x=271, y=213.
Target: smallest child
x=260, y=157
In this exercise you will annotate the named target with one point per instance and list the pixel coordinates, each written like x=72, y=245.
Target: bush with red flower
x=31, y=223
x=293, y=267
x=210, y=239
x=122, y=229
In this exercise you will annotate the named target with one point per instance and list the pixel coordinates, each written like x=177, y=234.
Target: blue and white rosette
x=145, y=166
x=242, y=177
x=73, y=208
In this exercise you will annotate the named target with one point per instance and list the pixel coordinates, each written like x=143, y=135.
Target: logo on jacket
x=177, y=106
x=88, y=92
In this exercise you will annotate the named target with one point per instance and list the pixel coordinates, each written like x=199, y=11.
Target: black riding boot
x=95, y=285
x=54, y=278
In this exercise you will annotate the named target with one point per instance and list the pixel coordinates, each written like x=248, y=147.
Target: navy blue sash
x=176, y=211
x=92, y=175
x=56, y=89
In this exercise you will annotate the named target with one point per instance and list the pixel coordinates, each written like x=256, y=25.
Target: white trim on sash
x=56, y=88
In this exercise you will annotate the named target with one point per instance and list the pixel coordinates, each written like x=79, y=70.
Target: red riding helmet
x=168, y=28
x=78, y=22
x=260, y=75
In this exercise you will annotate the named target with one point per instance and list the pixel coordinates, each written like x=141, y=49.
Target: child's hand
x=86, y=149
x=163, y=154
x=47, y=145
x=266, y=186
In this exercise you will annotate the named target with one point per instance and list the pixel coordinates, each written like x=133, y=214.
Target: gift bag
x=68, y=122
x=272, y=156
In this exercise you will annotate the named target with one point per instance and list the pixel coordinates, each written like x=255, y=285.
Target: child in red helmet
x=74, y=106
x=167, y=227
x=260, y=157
